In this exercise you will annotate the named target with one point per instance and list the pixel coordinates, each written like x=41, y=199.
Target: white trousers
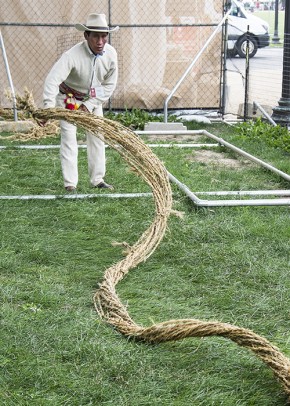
x=69, y=154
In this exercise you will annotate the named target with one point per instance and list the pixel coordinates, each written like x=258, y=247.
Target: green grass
x=269, y=16
x=228, y=264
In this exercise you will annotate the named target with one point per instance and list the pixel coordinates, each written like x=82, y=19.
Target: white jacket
x=81, y=70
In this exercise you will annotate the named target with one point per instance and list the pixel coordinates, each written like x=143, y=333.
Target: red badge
x=93, y=92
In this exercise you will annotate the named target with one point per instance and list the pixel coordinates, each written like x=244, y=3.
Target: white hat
x=96, y=23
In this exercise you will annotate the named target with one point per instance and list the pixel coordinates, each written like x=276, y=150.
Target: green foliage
x=274, y=136
x=136, y=118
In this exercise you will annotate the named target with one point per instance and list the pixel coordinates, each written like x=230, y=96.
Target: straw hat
x=96, y=23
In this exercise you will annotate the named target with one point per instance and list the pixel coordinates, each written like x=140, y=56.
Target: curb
x=16, y=126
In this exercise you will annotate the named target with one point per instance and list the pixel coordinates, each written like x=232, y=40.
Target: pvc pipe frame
x=9, y=76
x=263, y=111
x=75, y=196
x=197, y=201
x=215, y=203
x=84, y=146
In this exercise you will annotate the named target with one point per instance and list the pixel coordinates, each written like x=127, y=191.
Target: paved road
x=265, y=58
x=265, y=80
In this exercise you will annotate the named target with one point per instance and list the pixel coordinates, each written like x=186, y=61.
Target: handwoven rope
x=106, y=301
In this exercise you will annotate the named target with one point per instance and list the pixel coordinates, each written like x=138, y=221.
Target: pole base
x=281, y=113
x=276, y=40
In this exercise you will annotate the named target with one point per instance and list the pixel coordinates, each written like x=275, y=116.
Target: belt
x=65, y=89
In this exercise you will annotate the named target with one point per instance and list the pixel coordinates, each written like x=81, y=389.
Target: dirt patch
x=218, y=159
x=173, y=137
x=221, y=159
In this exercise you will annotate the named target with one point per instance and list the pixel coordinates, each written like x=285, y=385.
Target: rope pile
x=106, y=300
x=36, y=133
x=25, y=107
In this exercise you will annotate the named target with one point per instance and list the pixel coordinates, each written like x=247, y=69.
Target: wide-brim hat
x=96, y=23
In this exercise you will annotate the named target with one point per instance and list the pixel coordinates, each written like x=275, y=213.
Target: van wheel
x=241, y=47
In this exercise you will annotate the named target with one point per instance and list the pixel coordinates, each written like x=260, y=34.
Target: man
x=83, y=78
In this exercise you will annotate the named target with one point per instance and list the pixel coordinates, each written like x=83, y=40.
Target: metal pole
x=247, y=77
x=9, y=76
x=191, y=65
x=224, y=70
x=276, y=39
x=110, y=24
x=281, y=113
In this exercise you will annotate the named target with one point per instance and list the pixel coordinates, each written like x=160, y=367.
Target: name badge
x=93, y=92
x=97, y=91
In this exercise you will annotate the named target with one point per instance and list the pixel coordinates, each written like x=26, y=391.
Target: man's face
x=96, y=41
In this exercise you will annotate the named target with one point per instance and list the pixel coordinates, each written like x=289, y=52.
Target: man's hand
x=83, y=108
x=41, y=123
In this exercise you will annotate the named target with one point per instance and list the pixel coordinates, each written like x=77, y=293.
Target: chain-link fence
x=256, y=80
x=156, y=43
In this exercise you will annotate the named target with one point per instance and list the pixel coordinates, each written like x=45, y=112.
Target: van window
x=237, y=11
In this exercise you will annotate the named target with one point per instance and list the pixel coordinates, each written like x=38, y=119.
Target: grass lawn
x=269, y=16
x=229, y=264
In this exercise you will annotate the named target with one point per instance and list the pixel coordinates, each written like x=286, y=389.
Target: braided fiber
x=106, y=301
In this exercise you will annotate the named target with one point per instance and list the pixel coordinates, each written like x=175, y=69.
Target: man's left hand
x=83, y=108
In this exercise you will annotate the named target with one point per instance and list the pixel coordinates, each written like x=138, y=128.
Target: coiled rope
x=106, y=300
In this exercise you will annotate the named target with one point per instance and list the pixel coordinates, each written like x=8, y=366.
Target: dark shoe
x=70, y=188
x=104, y=185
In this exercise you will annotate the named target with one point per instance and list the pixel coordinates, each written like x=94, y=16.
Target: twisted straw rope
x=106, y=301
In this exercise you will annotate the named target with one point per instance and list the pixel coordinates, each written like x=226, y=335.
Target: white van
x=238, y=22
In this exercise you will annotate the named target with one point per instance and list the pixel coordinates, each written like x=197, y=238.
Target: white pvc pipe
x=263, y=111
x=170, y=132
x=249, y=156
x=84, y=146
x=222, y=142
x=221, y=203
x=254, y=202
x=182, y=145
x=75, y=196
x=247, y=193
x=81, y=146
